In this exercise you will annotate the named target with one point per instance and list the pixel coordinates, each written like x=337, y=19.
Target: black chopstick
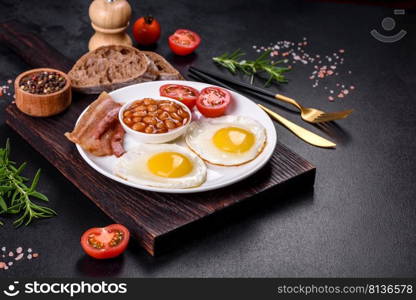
x=199, y=76
x=208, y=79
x=231, y=81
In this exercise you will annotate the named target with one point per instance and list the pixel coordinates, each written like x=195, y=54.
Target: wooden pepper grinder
x=110, y=19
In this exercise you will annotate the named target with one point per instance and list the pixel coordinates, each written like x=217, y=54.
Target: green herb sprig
x=15, y=196
x=234, y=62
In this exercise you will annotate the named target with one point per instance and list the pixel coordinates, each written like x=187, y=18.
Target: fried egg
x=228, y=140
x=162, y=165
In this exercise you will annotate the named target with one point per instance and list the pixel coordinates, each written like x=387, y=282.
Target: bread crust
x=165, y=70
x=112, y=67
x=108, y=68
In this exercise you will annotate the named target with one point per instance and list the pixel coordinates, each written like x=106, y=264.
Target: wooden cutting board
x=156, y=220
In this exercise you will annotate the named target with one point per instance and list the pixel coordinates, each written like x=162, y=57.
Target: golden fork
x=313, y=115
x=306, y=135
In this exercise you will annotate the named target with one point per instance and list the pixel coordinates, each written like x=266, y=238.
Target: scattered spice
x=19, y=257
x=43, y=83
x=5, y=89
x=8, y=261
x=325, y=68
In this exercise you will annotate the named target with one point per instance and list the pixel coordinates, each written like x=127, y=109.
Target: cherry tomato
x=186, y=94
x=213, y=101
x=146, y=30
x=184, y=41
x=105, y=242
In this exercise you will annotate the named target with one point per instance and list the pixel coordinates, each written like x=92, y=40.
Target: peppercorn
x=43, y=83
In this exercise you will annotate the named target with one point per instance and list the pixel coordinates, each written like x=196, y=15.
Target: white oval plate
x=217, y=177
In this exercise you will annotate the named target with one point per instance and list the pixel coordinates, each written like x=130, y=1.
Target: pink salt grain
x=2, y=265
x=322, y=65
x=19, y=257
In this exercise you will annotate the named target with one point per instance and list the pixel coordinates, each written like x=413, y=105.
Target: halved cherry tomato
x=184, y=41
x=213, y=101
x=106, y=242
x=146, y=30
x=186, y=94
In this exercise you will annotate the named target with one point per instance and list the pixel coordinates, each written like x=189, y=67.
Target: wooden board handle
x=31, y=47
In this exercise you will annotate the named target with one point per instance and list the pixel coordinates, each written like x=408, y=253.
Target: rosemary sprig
x=262, y=64
x=15, y=196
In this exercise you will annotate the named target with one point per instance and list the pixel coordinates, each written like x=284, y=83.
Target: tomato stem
x=148, y=19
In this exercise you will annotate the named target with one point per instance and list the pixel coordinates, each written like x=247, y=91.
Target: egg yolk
x=233, y=139
x=169, y=164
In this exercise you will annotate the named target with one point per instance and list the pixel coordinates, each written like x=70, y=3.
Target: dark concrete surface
x=360, y=218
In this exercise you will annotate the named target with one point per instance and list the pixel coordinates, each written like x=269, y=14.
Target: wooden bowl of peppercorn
x=43, y=92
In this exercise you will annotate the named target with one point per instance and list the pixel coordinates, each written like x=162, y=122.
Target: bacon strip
x=117, y=140
x=106, y=122
x=98, y=131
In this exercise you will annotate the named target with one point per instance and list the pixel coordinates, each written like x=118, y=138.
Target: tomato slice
x=213, y=101
x=184, y=41
x=105, y=242
x=186, y=94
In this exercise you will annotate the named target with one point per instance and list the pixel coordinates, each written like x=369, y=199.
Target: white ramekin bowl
x=155, y=138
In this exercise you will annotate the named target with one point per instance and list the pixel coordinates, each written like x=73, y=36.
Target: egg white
x=132, y=166
x=200, y=133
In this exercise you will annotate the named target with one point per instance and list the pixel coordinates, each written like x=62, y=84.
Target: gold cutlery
x=314, y=115
x=301, y=132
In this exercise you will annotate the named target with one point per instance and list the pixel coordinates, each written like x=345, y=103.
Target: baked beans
x=155, y=116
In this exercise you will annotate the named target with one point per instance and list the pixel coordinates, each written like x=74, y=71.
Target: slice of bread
x=161, y=66
x=110, y=67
